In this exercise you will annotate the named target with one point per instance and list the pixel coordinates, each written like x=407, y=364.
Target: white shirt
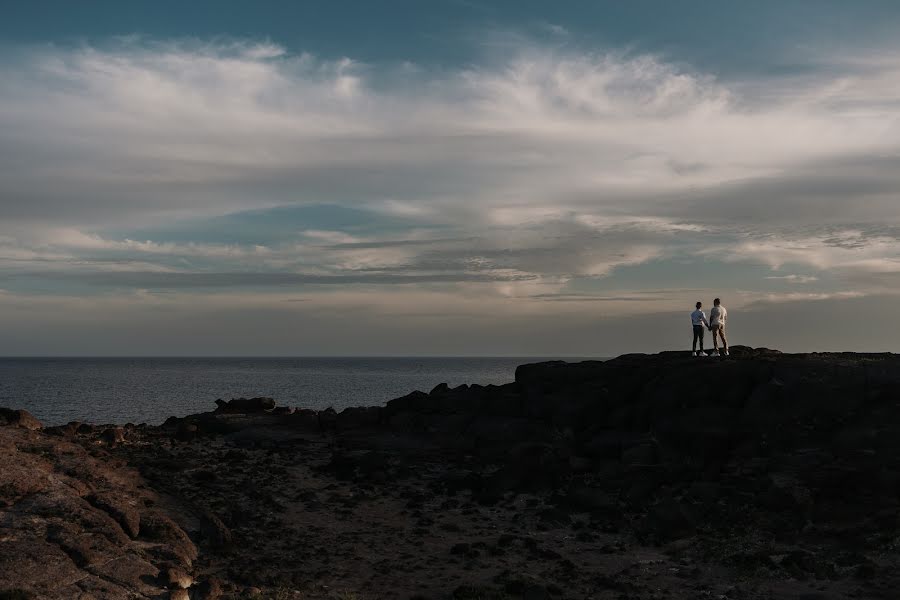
x=698, y=318
x=718, y=315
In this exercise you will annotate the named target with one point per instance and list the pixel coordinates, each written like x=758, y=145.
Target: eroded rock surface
x=648, y=476
x=71, y=522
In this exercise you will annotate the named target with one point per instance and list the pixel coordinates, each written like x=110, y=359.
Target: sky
x=453, y=177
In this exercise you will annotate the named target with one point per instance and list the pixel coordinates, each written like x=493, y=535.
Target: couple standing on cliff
x=716, y=324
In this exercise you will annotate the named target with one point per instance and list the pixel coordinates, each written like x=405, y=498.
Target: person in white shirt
x=698, y=321
x=717, y=318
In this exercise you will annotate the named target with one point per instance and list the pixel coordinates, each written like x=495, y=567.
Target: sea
x=149, y=390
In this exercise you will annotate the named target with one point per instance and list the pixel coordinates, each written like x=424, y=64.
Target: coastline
x=766, y=475
x=149, y=390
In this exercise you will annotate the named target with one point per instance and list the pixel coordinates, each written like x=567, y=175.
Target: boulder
x=173, y=542
x=211, y=589
x=245, y=405
x=113, y=435
x=441, y=388
x=66, y=431
x=19, y=418
x=177, y=578
x=404, y=403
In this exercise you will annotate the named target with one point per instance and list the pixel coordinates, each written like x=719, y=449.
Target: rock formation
x=765, y=475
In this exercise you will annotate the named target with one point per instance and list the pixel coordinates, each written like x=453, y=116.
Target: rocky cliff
x=765, y=475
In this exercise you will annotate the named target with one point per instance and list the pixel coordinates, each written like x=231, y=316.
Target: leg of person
x=694, y=344
x=724, y=341
x=701, y=331
x=715, y=339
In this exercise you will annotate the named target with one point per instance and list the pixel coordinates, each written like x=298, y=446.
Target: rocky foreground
x=764, y=475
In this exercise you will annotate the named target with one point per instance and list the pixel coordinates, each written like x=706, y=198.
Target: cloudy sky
x=454, y=177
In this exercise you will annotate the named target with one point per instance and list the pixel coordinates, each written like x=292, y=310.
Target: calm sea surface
x=136, y=390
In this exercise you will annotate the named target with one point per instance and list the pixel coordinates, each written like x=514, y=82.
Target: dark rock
x=328, y=419
x=669, y=520
x=610, y=444
x=113, y=435
x=358, y=418
x=592, y=499
x=16, y=594
x=460, y=548
x=457, y=481
x=499, y=429
x=177, y=578
x=120, y=508
x=802, y=564
x=407, y=421
x=478, y=592
x=535, y=592
x=788, y=463
x=580, y=464
x=66, y=431
x=214, y=531
x=245, y=405
x=704, y=491
x=186, y=431
x=162, y=529
x=305, y=419
x=405, y=403
x=530, y=467
x=210, y=589
x=554, y=515
x=19, y=418
x=640, y=454
x=441, y=388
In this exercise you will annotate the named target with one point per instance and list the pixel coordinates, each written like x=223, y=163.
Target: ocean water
x=148, y=390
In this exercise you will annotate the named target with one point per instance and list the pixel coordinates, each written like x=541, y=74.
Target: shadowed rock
x=763, y=475
x=245, y=405
x=19, y=418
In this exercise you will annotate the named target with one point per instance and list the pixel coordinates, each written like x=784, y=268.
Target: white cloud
x=167, y=126
x=772, y=297
x=536, y=171
x=843, y=250
x=794, y=278
x=556, y=29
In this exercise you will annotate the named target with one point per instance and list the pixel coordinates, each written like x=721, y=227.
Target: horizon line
x=117, y=356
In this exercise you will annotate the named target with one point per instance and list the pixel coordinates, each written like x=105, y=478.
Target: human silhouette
x=698, y=321
x=717, y=318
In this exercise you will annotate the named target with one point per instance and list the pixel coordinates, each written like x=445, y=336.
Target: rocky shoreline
x=765, y=475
